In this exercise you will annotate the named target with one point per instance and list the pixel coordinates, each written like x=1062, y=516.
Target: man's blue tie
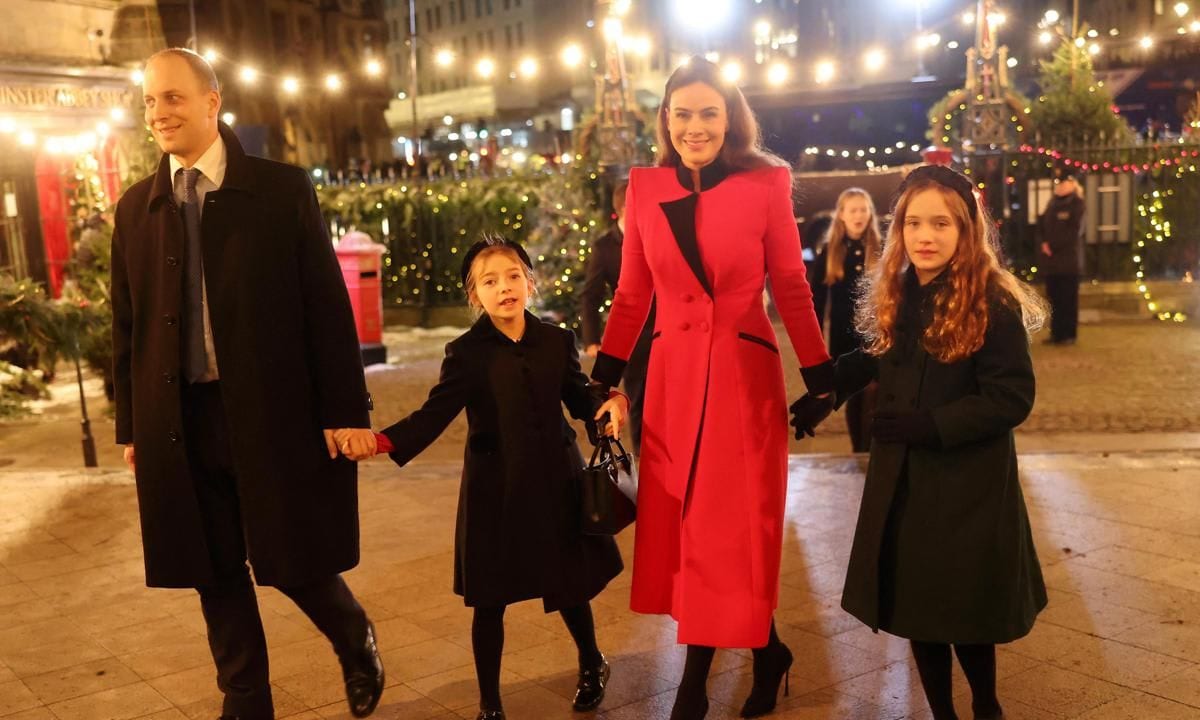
x=194, y=360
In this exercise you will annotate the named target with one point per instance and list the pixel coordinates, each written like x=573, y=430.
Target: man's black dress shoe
x=364, y=678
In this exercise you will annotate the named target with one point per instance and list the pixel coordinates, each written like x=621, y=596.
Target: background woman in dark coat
x=517, y=536
x=943, y=554
x=850, y=251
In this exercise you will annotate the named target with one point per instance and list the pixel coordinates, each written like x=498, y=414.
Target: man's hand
x=591, y=350
x=129, y=458
x=1046, y=249
x=355, y=443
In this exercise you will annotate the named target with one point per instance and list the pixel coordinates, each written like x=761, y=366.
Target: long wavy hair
x=960, y=305
x=743, y=148
x=835, y=247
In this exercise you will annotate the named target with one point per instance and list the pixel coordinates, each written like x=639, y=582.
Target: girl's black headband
x=947, y=178
x=487, y=243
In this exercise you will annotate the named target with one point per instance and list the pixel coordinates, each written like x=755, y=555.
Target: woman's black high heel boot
x=772, y=665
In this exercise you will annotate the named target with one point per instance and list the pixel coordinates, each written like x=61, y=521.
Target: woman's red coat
x=713, y=472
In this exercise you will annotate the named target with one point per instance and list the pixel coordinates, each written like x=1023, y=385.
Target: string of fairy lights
x=1151, y=205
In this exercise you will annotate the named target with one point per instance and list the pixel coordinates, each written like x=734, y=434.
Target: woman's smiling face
x=697, y=122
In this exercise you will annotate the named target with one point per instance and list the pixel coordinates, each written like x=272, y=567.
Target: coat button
x=173, y=436
x=687, y=297
x=685, y=326
x=703, y=327
x=170, y=319
x=172, y=261
x=169, y=378
x=858, y=268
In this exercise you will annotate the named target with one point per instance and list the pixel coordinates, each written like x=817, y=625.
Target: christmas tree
x=1074, y=109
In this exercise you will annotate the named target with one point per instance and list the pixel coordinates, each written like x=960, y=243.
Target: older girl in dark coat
x=518, y=525
x=943, y=554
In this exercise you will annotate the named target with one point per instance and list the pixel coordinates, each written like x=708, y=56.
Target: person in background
x=851, y=249
x=1060, y=235
x=602, y=274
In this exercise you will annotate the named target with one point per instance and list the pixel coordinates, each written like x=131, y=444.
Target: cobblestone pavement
x=1118, y=535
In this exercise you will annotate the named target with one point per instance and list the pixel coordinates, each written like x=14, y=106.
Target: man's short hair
x=200, y=67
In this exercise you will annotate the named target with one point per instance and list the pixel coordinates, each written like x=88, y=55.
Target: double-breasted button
x=687, y=297
x=703, y=326
x=173, y=436
x=169, y=378
x=858, y=268
x=172, y=260
x=171, y=319
x=685, y=326
x=858, y=253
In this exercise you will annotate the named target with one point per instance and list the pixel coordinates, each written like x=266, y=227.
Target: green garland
x=427, y=226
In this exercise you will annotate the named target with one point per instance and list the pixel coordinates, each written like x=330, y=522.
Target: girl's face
x=697, y=123
x=855, y=215
x=930, y=233
x=501, y=286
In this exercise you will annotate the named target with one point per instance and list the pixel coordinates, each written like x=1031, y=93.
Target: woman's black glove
x=808, y=412
x=908, y=428
x=598, y=394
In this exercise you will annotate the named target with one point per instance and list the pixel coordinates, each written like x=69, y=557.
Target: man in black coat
x=600, y=282
x=1060, y=230
x=235, y=361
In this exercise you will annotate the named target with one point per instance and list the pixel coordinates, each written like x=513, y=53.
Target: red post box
x=361, y=260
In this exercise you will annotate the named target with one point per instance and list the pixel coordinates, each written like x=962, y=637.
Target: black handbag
x=609, y=497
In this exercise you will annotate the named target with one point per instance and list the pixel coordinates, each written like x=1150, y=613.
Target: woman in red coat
x=704, y=229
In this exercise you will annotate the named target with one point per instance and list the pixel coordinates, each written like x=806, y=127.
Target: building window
x=507, y=4
x=520, y=34
x=437, y=16
x=489, y=6
x=462, y=10
x=429, y=19
x=478, y=8
x=508, y=36
x=491, y=41
x=479, y=40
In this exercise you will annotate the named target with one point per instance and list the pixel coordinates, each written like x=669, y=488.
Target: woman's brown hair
x=835, y=248
x=743, y=148
x=960, y=306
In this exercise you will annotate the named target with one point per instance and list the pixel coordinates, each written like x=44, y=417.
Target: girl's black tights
x=487, y=642
x=979, y=665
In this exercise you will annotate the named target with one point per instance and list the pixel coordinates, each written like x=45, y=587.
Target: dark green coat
x=943, y=550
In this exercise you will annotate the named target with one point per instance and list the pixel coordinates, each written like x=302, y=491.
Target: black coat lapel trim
x=681, y=216
x=711, y=175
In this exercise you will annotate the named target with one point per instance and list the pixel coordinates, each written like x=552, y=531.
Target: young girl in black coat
x=943, y=554
x=518, y=519
x=851, y=249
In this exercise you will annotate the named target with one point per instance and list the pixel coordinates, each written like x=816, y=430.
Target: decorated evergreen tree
x=1074, y=109
x=1191, y=120
x=569, y=216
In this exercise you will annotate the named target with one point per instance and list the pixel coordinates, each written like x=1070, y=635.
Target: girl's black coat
x=957, y=557
x=517, y=535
